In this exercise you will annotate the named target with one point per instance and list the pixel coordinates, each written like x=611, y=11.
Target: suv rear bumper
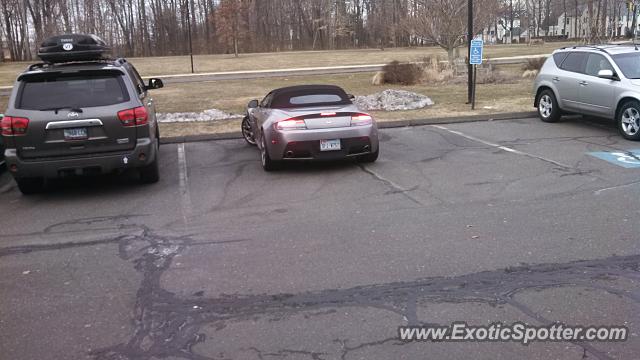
x=93, y=165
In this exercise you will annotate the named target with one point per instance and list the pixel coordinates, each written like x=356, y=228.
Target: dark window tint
x=315, y=99
x=50, y=91
x=310, y=97
x=595, y=63
x=629, y=64
x=559, y=57
x=574, y=62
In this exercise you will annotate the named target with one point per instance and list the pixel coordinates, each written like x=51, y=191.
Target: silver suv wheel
x=545, y=106
x=629, y=123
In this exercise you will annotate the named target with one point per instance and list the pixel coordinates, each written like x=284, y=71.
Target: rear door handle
x=556, y=79
x=584, y=83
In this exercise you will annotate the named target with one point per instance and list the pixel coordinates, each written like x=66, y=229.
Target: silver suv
x=602, y=81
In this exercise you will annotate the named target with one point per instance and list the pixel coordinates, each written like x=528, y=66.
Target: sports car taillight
x=13, y=126
x=290, y=124
x=361, y=120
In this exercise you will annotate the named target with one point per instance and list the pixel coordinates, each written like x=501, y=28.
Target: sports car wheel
x=247, y=131
x=267, y=163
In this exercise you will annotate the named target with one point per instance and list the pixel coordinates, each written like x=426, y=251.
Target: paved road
x=258, y=74
x=477, y=222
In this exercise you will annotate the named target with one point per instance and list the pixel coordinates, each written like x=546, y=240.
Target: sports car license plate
x=330, y=145
x=75, y=134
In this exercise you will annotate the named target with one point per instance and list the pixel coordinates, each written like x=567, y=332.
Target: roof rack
x=595, y=47
x=41, y=65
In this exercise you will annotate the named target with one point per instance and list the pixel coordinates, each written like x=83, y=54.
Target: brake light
x=14, y=126
x=133, y=117
x=361, y=120
x=328, y=114
x=291, y=124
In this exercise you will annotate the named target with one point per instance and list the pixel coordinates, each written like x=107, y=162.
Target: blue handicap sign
x=475, y=57
x=629, y=159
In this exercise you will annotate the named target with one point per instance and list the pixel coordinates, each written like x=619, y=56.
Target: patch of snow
x=393, y=100
x=207, y=115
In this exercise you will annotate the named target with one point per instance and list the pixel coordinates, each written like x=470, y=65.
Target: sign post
x=475, y=58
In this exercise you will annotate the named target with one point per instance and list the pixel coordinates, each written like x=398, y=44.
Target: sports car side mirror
x=351, y=96
x=155, y=84
x=252, y=104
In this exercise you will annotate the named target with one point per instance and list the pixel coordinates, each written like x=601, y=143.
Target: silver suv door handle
x=584, y=83
x=556, y=79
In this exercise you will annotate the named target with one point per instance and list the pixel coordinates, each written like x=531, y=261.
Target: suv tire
x=30, y=186
x=150, y=174
x=548, y=109
x=629, y=120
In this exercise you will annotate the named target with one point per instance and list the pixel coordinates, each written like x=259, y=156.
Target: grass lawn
x=233, y=95
x=167, y=65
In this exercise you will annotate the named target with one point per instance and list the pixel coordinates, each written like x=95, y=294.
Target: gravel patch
x=207, y=115
x=393, y=100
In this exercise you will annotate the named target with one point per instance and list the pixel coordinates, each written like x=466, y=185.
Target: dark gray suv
x=79, y=115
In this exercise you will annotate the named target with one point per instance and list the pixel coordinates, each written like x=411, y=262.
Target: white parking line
x=503, y=148
x=185, y=197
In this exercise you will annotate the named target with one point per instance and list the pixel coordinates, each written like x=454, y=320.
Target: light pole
x=189, y=31
x=469, y=38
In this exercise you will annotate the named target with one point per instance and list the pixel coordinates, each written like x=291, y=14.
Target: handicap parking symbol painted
x=628, y=159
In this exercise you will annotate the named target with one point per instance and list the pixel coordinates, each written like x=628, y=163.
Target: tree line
x=165, y=27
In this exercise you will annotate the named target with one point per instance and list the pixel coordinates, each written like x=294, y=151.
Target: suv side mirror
x=607, y=74
x=351, y=96
x=252, y=104
x=155, y=84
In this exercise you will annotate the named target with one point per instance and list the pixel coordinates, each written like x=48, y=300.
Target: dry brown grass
x=212, y=63
x=233, y=95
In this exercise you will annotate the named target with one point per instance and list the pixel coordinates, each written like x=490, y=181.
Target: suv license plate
x=330, y=145
x=75, y=134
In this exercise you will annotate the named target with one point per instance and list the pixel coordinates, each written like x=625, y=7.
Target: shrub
x=534, y=63
x=402, y=73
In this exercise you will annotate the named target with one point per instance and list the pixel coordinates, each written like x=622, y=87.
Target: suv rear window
x=559, y=57
x=75, y=90
x=575, y=62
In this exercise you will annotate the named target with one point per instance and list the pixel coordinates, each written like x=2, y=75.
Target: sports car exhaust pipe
x=289, y=154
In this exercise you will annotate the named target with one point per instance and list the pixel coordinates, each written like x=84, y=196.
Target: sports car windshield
x=310, y=98
x=629, y=63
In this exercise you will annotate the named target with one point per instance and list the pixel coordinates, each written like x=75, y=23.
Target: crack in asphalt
x=169, y=325
x=396, y=189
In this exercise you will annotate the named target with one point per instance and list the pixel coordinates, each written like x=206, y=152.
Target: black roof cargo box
x=73, y=47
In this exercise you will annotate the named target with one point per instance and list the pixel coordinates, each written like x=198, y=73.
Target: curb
x=381, y=125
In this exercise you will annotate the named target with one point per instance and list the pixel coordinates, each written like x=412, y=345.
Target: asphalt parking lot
x=505, y=221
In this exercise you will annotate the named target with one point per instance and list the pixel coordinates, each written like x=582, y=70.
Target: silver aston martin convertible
x=309, y=122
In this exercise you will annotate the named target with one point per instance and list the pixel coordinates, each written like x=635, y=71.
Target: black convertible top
x=328, y=95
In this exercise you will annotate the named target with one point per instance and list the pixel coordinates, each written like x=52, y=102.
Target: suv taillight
x=14, y=126
x=133, y=117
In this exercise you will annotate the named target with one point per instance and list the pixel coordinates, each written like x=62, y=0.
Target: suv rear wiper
x=56, y=109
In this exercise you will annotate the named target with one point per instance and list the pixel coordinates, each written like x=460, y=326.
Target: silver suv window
x=575, y=62
x=595, y=63
x=629, y=64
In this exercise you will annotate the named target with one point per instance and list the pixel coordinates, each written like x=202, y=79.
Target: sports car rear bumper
x=305, y=144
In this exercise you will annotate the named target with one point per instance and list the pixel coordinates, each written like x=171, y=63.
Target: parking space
x=486, y=221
